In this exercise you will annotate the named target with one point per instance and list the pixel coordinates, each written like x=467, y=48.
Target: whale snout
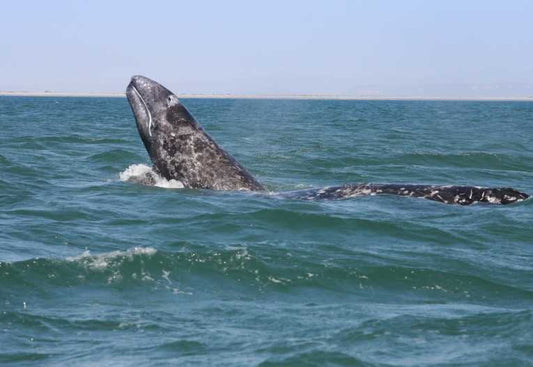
x=136, y=78
x=150, y=91
x=141, y=82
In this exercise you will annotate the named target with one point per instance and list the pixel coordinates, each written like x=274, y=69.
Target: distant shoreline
x=271, y=96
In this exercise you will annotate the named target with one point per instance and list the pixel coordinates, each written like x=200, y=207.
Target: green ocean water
x=95, y=270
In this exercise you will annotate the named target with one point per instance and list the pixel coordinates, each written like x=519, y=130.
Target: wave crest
x=102, y=261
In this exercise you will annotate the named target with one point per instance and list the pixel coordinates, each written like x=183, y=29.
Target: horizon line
x=311, y=96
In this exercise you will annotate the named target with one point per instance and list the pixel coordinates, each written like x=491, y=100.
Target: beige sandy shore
x=272, y=96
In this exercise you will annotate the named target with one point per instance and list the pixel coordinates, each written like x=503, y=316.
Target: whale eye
x=171, y=101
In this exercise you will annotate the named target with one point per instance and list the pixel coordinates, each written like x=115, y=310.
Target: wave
x=102, y=261
x=259, y=268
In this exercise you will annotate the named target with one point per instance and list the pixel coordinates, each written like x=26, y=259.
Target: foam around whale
x=145, y=175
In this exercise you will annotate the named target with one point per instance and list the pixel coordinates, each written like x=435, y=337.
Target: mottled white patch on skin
x=459, y=195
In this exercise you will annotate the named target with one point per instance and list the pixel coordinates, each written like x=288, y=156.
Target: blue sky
x=382, y=48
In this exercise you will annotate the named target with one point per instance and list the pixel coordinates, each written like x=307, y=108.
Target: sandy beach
x=270, y=96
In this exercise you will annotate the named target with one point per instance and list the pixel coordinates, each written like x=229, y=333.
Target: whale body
x=181, y=150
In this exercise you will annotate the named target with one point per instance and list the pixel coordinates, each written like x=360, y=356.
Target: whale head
x=158, y=113
x=178, y=146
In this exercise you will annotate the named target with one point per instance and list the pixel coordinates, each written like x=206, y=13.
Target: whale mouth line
x=145, y=108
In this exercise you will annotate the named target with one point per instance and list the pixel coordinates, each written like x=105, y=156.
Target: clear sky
x=382, y=48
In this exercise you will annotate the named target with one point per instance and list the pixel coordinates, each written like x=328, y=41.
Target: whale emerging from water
x=181, y=150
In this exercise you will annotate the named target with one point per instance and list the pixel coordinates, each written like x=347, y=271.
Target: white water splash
x=105, y=260
x=111, y=263
x=141, y=173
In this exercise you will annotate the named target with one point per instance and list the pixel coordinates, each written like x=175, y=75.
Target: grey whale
x=181, y=150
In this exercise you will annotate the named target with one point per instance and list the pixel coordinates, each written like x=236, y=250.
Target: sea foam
x=141, y=173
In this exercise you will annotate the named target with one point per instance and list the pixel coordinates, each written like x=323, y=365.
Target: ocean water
x=96, y=270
